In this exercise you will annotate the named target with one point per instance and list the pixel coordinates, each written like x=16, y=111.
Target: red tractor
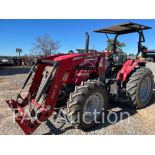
x=84, y=82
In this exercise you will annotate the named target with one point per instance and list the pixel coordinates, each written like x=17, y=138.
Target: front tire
x=140, y=87
x=87, y=98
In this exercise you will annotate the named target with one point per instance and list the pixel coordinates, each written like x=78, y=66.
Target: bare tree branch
x=45, y=45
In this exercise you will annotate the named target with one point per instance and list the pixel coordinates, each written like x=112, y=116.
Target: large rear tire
x=140, y=87
x=89, y=97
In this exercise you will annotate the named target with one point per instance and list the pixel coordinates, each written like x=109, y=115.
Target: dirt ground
x=139, y=122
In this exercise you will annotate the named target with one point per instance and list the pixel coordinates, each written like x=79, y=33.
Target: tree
x=119, y=45
x=45, y=45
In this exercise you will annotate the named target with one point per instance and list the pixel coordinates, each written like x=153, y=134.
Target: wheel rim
x=145, y=89
x=94, y=103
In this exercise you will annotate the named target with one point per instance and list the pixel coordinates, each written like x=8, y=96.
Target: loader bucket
x=23, y=117
x=30, y=111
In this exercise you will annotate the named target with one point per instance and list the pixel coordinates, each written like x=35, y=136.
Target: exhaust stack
x=87, y=43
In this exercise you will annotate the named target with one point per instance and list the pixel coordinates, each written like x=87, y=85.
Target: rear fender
x=127, y=68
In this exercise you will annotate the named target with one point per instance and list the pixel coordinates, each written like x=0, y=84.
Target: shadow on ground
x=56, y=131
x=123, y=109
x=9, y=70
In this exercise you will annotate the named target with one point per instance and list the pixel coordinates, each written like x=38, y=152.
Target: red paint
x=127, y=68
x=66, y=65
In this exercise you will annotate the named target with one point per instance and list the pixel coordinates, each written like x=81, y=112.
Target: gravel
x=139, y=122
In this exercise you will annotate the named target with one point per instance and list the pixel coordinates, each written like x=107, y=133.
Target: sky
x=69, y=32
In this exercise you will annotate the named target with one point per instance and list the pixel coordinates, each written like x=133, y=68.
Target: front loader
x=51, y=74
x=85, y=83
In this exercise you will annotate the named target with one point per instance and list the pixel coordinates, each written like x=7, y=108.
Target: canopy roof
x=123, y=28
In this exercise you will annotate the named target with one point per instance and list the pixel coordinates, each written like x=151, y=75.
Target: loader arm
x=37, y=112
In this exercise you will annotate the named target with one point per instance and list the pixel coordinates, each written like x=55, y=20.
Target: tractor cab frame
x=126, y=28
